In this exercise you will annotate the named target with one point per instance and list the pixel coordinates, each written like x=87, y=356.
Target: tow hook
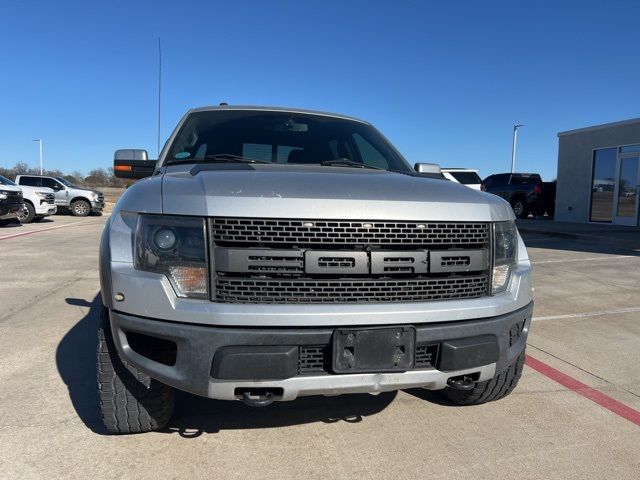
x=257, y=399
x=463, y=382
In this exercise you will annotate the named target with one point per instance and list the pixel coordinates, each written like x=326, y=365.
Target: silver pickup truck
x=273, y=253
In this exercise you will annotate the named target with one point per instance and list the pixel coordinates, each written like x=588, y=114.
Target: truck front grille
x=258, y=290
x=300, y=261
x=14, y=200
x=283, y=232
x=14, y=197
x=50, y=198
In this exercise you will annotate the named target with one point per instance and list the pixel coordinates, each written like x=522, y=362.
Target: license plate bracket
x=371, y=350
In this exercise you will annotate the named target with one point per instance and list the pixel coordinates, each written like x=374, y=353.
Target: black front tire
x=28, y=215
x=498, y=387
x=130, y=400
x=80, y=208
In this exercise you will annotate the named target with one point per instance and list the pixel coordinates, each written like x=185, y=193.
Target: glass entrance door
x=627, y=190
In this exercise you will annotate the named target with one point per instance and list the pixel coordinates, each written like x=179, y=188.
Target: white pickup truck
x=39, y=202
x=80, y=201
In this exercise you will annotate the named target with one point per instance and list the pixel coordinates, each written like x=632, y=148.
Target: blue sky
x=444, y=81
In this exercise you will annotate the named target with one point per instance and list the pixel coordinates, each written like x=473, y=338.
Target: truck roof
x=274, y=109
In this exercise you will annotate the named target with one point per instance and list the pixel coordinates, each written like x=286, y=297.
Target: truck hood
x=27, y=189
x=319, y=192
x=85, y=190
x=10, y=188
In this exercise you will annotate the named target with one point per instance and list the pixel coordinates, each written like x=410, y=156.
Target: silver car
x=272, y=253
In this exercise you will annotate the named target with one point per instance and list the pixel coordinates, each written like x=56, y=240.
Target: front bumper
x=97, y=206
x=10, y=210
x=197, y=345
x=46, y=209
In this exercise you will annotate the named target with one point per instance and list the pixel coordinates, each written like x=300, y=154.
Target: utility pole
x=39, y=140
x=513, y=146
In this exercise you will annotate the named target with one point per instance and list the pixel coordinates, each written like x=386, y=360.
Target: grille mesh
x=455, y=261
x=255, y=290
x=265, y=231
x=275, y=264
x=426, y=356
x=313, y=359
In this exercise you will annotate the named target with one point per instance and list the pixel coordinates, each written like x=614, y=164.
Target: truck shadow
x=196, y=415
x=76, y=362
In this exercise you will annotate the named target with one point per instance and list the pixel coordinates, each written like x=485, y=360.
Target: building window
x=627, y=187
x=602, y=185
x=630, y=149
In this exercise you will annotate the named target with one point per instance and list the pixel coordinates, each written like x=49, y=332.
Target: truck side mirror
x=428, y=168
x=132, y=163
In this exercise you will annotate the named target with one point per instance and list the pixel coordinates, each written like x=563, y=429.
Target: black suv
x=522, y=190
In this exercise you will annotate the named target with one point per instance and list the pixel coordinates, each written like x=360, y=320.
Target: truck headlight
x=3, y=195
x=175, y=246
x=41, y=194
x=505, y=243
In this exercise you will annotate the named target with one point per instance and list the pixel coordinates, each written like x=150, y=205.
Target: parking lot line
x=588, y=314
x=22, y=234
x=586, y=391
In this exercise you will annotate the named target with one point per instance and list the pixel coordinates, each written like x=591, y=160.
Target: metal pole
x=513, y=147
x=39, y=140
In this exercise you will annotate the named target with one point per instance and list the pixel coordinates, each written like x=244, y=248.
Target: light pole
x=513, y=146
x=39, y=140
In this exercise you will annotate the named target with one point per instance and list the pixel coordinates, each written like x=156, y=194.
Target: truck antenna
x=159, y=90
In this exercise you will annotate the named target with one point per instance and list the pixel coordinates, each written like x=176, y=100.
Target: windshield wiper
x=349, y=163
x=227, y=157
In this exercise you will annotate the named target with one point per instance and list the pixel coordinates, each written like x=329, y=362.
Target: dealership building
x=599, y=174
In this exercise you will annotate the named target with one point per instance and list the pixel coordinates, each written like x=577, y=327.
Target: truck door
x=60, y=190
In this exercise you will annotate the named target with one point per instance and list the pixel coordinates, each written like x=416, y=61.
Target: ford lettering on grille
x=283, y=261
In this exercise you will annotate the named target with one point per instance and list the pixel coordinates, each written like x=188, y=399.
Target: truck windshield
x=6, y=181
x=282, y=138
x=66, y=183
x=468, y=178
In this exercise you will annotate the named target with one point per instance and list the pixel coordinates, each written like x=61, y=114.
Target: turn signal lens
x=500, y=278
x=192, y=281
x=505, y=243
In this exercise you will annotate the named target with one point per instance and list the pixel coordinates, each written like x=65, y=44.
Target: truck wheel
x=498, y=387
x=27, y=215
x=520, y=208
x=130, y=401
x=80, y=208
